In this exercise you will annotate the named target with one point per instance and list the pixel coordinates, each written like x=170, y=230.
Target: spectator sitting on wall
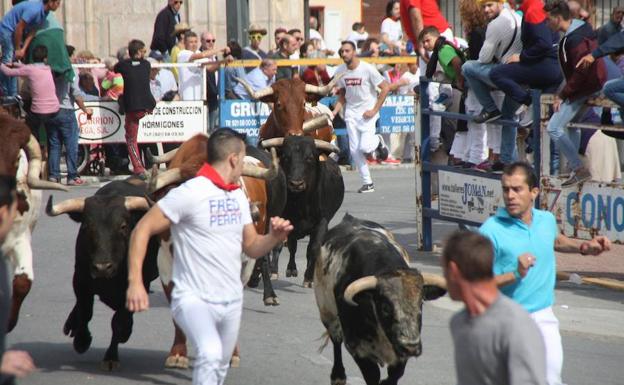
x=287, y=46
x=613, y=26
x=163, y=38
x=253, y=50
x=259, y=78
x=358, y=34
x=391, y=30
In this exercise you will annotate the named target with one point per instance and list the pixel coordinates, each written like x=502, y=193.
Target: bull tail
x=325, y=337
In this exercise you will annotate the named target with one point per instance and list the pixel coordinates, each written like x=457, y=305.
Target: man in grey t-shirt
x=496, y=341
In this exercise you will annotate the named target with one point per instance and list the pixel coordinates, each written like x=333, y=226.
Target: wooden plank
x=608, y=283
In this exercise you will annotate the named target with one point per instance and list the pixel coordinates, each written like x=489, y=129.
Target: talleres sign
x=168, y=122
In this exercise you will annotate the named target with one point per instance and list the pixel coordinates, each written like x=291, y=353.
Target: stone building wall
x=102, y=26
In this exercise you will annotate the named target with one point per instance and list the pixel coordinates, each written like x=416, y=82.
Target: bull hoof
x=291, y=272
x=177, y=362
x=109, y=365
x=307, y=284
x=339, y=381
x=271, y=301
x=274, y=276
x=82, y=342
x=235, y=362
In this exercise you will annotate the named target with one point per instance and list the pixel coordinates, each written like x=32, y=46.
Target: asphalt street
x=280, y=345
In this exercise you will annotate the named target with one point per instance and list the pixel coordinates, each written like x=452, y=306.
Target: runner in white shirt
x=210, y=226
x=358, y=93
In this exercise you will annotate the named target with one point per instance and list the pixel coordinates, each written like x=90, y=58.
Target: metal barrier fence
x=470, y=197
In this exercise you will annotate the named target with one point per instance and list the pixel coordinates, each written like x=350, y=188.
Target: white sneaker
x=526, y=117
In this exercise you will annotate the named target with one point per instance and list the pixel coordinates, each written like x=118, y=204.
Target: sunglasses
x=300, y=39
x=210, y=40
x=255, y=36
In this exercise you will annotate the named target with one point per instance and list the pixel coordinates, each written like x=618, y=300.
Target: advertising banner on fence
x=467, y=197
x=245, y=116
x=397, y=114
x=598, y=208
x=169, y=122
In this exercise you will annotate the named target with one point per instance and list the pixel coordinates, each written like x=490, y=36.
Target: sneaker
x=579, y=176
x=391, y=161
x=483, y=166
x=442, y=98
x=366, y=188
x=468, y=165
x=75, y=182
x=526, y=117
x=434, y=144
x=487, y=116
x=372, y=161
x=382, y=149
x=54, y=179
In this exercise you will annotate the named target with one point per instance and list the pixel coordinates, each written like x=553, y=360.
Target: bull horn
x=75, y=205
x=253, y=93
x=325, y=146
x=254, y=171
x=33, y=153
x=275, y=142
x=323, y=91
x=168, y=177
x=434, y=280
x=136, y=203
x=158, y=159
x=313, y=124
x=365, y=283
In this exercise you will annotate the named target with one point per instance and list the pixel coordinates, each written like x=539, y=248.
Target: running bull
x=370, y=299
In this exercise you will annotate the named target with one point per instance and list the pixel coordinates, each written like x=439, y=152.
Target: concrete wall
x=102, y=26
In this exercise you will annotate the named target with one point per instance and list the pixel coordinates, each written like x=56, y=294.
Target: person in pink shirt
x=45, y=104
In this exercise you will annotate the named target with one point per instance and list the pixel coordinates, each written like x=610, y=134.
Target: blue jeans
x=509, y=149
x=63, y=129
x=8, y=84
x=477, y=76
x=567, y=142
x=614, y=90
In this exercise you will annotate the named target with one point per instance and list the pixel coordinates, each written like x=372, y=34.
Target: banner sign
x=595, y=208
x=468, y=197
x=169, y=122
x=397, y=115
x=244, y=116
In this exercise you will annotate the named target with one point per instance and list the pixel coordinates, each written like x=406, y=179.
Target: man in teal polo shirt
x=524, y=240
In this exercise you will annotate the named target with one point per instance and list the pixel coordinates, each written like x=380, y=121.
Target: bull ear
x=431, y=292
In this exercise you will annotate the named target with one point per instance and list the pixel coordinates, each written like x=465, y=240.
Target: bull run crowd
x=504, y=273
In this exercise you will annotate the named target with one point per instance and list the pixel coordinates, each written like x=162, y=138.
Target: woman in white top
x=391, y=31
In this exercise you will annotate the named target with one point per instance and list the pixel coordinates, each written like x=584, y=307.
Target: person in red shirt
x=418, y=14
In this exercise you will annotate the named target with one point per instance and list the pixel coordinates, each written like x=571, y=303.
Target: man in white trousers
x=358, y=93
x=210, y=226
x=525, y=240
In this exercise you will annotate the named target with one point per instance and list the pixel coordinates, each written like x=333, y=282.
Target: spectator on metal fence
x=525, y=269
x=391, y=30
x=17, y=29
x=137, y=98
x=495, y=339
x=259, y=78
x=358, y=35
x=180, y=31
x=287, y=46
x=580, y=83
x=253, y=50
x=164, y=38
x=208, y=42
x=362, y=103
x=611, y=27
x=44, y=101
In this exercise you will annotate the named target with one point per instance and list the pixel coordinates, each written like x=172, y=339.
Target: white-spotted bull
x=315, y=193
x=20, y=156
x=101, y=267
x=265, y=186
x=370, y=299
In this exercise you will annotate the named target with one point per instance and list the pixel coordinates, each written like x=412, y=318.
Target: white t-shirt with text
x=190, y=78
x=207, y=234
x=360, y=88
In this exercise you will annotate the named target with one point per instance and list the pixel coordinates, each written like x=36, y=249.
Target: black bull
x=315, y=193
x=101, y=268
x=370, y=299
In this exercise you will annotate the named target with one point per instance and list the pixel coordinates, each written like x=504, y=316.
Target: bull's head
x=289, y=97
x=299, y=158
x=106, y=224
x=397, y=298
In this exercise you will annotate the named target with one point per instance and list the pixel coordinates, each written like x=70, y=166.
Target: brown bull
x=15, y=137
x=184, y=163
x=290, y=114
